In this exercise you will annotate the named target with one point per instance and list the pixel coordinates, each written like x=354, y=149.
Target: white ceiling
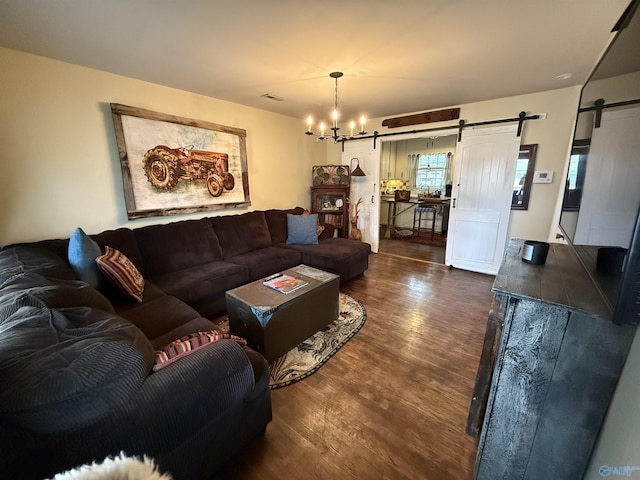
x=398, y=56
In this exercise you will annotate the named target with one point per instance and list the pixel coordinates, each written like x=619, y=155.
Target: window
x=431, y=171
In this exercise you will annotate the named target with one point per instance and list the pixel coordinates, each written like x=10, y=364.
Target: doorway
x=424, y=166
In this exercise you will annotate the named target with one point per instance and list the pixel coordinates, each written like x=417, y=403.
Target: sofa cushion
x=59, y=247
x=302, y=229
x=122, y=272
x=203, y=286
x=266, y=261
x=151, y=292
x=277, y=223
x=240, y=234
x=34, y=290
x=160, y=315
x=177, y=246
x=83, y=252
x=342, y=256
x=22, y=258
x=68, y=367
x=188, y=344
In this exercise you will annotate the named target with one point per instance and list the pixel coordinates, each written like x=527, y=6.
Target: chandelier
x=334, y=122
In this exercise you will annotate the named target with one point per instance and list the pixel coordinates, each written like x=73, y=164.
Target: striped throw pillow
x=189, y=344
x=122, y=272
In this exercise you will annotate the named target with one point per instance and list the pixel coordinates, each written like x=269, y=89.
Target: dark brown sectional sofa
x=76, y=378
x=197, y=261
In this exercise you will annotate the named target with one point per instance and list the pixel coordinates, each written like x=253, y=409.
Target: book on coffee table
x=285, y=283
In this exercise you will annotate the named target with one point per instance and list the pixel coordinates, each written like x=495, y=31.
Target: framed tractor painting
x=173, y=165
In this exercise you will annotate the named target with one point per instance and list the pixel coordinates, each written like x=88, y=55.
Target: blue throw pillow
x=82, y=254
x=301, y=229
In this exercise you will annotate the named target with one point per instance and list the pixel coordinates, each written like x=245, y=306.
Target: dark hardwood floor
x=413, y=251
x=393, y=402
x=408, y=249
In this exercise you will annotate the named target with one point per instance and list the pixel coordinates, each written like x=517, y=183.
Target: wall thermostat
x=543, y=176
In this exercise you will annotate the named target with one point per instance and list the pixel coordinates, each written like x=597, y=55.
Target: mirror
x=602, y=190
x=524, y=177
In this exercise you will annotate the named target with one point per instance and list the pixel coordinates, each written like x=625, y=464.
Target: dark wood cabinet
x=331, y=203
x=549, y=366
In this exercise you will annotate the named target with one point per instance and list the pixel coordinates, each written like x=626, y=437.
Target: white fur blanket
x=118, y=468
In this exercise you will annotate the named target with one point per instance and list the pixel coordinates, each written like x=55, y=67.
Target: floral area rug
x=310, y=355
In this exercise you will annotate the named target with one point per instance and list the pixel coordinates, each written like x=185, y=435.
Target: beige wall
x=552, y=134
x=59, y=164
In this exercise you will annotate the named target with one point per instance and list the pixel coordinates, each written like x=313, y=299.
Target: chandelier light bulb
x=309, y=123
x=322, y=129
x=352, y=125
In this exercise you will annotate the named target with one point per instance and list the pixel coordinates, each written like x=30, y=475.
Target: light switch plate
x=543, y=176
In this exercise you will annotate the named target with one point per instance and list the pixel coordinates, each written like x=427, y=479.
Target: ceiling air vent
x=270, y=96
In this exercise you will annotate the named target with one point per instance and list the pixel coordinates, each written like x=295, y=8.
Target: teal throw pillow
x=302, y=229
x=82, y=254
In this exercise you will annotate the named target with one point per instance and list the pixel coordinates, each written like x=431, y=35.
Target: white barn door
x=607, y=215
x=481, y=198
x=365, y=188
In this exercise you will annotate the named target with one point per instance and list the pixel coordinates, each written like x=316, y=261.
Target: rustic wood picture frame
x=173, y=165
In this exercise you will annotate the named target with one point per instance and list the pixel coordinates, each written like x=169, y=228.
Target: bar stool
x=424, y=209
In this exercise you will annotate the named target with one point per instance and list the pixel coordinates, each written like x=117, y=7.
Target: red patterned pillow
x=188, y=344
x=115, y=265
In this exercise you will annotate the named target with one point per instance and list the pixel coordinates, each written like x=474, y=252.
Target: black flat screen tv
x=600, y=211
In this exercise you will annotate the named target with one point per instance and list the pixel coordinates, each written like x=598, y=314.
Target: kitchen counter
x=414, y=198
x=395, y=209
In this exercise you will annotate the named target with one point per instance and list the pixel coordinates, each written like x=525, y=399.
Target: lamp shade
x=357, y=172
